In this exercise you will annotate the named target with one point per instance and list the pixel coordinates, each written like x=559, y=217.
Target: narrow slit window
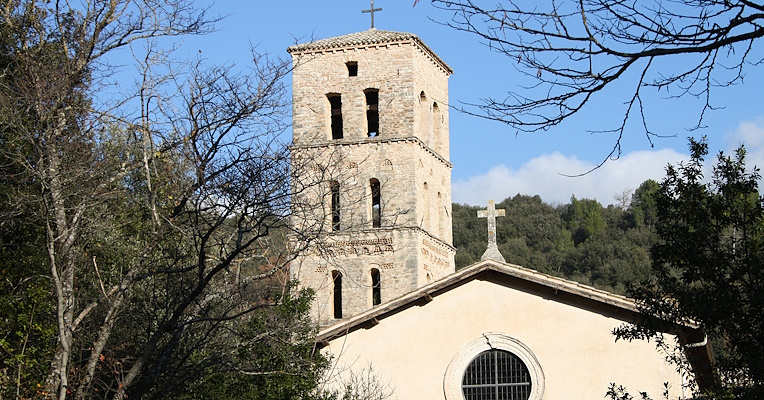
x=352, y=68
x=372, y=112
x=376, y=203
x=376, y=292
x=337, y=279
x=335, y=103
x=335, y=188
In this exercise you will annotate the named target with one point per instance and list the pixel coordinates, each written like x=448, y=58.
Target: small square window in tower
x=335, y=189
x=372, y=111
x=335, y=104
x=352, y=68
x=376, y=203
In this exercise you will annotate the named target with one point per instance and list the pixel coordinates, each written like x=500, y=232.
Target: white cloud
x=751, y=134
x=543, y=176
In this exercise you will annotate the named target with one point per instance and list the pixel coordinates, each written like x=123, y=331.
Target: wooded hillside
x=607, y=247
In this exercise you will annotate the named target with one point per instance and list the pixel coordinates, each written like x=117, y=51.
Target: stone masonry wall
x=409, y=158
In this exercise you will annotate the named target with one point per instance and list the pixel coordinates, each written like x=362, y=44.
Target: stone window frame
x=452, y=380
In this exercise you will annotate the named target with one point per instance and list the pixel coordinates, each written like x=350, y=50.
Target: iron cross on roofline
x=371, y=10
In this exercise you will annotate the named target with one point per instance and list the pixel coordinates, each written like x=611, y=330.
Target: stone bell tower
x=371, y=170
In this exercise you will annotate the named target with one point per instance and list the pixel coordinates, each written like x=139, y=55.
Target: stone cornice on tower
x=369, y=38
x=350, y=142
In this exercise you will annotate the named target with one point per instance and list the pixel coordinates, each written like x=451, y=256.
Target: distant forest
x=606, y=247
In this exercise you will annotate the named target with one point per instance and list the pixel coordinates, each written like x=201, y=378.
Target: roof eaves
x=364, y=39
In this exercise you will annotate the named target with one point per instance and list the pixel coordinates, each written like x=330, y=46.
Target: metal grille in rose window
x=496, y=375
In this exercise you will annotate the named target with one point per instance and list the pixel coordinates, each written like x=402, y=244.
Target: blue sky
x=492, y=160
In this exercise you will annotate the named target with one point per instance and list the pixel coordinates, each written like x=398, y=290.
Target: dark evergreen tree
x=708, y=266
x=583, y=241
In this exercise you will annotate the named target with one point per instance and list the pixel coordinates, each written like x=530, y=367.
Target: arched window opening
x=335, y=188
x=435, y=107
x=496, y=374
x=335, y=103
x=422, y=96
x=372, y=112
x=376, y=292
x=376, y=203
x=337, y=279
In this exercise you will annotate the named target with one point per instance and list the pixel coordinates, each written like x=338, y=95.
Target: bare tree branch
x=574, y=50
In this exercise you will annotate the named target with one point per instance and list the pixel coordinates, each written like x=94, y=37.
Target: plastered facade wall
x=409, y=158
x=574, y=346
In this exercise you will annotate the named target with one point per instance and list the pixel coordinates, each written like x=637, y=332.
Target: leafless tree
x=161, y=207
x=572, y=51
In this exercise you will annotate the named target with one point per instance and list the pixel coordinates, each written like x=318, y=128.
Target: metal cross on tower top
x=371, y=10
x=492, y=252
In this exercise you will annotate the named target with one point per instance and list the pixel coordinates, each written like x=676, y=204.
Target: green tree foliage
x=276, y=359
x=583, y=219
x=26, y=309
x=643, y=203
x=583, y=241
x=708, y=265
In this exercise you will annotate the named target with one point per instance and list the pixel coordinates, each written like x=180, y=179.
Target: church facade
x=372, y=181
x=500, y=331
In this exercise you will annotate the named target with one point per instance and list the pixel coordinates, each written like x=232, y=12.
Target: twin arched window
x=376, y=204
x=372, y=112
x=376, y=291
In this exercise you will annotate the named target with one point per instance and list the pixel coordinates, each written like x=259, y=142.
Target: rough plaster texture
x=409, y=158
x=572, y=342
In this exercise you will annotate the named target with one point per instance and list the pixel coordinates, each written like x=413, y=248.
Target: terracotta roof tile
x=364, y=38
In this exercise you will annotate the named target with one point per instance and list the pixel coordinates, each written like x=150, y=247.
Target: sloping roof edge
x=465, y=274
x=699, y=353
